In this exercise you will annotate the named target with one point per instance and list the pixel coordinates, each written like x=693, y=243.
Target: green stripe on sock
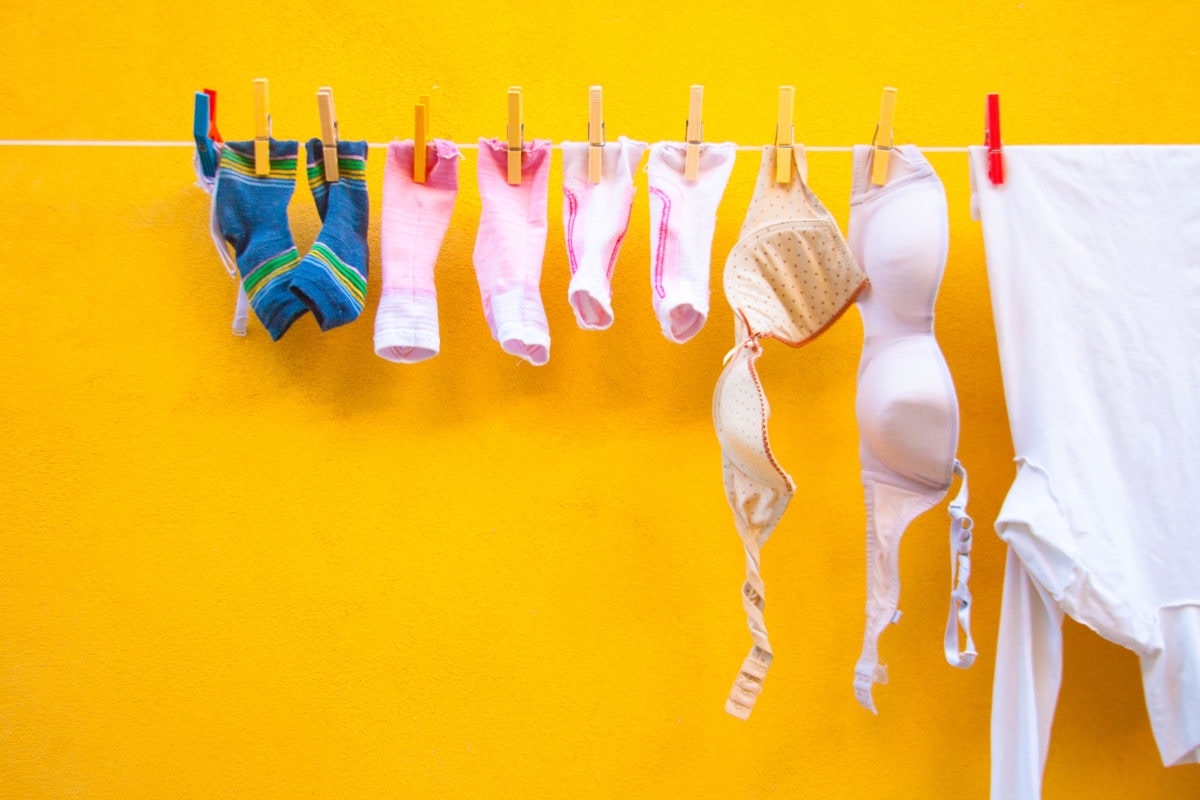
x=272, y=266
x=354, y=280
x=353, y=167
x=282, y=167
x=350, y=168
x=349, y=275
x=316, y=176
x=232, y=157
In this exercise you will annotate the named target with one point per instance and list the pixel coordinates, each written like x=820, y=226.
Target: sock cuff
x=351, y=157
x=535, y=159
x=238, y=158
x=715, y=157
x=619, y=161
x=441, y=162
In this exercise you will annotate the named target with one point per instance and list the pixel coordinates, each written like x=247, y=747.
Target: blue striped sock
x=332, y=278
x=252, y=215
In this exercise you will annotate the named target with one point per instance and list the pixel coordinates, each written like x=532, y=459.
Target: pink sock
x=683, y=219
x=415, y=219
x=596, y=216
x=510, y=246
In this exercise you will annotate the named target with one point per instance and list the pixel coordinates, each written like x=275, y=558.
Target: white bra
x=906, y=405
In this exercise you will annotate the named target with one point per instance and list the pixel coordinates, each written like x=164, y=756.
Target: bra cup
x=907, y=412
x=904, y=255
x=757, y=507
x=791, y=279
x=758, y=489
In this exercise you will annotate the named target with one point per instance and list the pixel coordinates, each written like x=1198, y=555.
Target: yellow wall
x=237, y=569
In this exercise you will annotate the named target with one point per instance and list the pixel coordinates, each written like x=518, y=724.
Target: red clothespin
x=991, y=140
x=213, y=133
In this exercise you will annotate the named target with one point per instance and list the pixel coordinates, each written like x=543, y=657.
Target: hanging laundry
x=906, y=405
x=415, y=218
x=595, y=219
x=683, y=219
x=1093, y=259
x=510, y=246
x=249, y=211
x=208, y=183
x=251, y=214
x=332, y=278
x=789, y=277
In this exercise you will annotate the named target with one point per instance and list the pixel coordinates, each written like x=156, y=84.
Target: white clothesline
x=373, y=145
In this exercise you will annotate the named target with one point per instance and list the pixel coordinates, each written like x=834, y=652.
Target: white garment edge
x=241, y=310
x=1045, y=578
x=1025, y=685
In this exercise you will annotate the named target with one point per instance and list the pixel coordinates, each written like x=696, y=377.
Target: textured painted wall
x=237, y=569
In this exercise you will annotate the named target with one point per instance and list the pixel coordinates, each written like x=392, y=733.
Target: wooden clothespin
x=785, y=133
x=595, y=133
x=262, y=127
x=883, y=133
x=200, y=128
x=420, y=137
x=213, y=133
x=329, y=133
x=516, y=135
x=695, y=132
x=992, y=141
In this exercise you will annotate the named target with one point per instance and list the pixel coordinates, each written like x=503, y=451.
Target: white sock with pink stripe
x=683, y=219
x=595, y=219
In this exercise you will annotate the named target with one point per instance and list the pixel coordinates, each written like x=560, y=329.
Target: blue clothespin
x=200, y=128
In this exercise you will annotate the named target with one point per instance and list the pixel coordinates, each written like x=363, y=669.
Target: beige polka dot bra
x=789, y=277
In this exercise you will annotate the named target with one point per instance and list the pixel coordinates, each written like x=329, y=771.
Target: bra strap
x=960, y=572
x=749, y=681
x=241, y=311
